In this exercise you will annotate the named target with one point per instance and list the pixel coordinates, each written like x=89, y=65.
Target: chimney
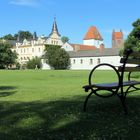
x=76, y=48
x=101, y=49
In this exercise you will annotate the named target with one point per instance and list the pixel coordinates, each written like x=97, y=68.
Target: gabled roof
x=82, y=47
x=117, y=35
x=93, y=33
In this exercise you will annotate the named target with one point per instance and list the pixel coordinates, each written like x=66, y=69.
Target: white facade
x=67, y=47
x=93, y=42
x=87, y=63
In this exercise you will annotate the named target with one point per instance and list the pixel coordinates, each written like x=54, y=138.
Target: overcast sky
x=73, y=17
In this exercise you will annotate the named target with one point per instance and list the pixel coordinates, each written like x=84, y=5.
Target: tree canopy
x=21, y=34
x=133, y=40
x=56, y=57
x=8, y=37
x=34, y=63
x=64, y=39
x=7, y=56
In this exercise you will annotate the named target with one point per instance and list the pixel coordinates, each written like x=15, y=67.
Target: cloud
x=32, y=3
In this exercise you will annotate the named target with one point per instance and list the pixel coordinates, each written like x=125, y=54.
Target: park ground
x=48, y=105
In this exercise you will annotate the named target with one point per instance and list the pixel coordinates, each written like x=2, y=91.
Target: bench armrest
x=104, y=64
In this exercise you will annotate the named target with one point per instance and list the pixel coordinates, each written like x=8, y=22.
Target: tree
x=7, y=56
x=133, y=40
x=34, y=63
x=23, y=35
x=56, y=57
x=64, y=39
x=8, y=37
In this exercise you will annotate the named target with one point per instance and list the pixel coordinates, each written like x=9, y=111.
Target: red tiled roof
x=82, y=47
x=93, y=33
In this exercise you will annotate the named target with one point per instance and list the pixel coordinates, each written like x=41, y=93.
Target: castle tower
x=117, y=39
x=54, y=37
x=93, y=37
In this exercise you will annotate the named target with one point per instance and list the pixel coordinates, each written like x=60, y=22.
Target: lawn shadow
x=7, y=90
x=65, y=119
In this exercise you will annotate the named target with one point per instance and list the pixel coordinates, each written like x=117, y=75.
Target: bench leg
x=86, y=100
x=122, y=98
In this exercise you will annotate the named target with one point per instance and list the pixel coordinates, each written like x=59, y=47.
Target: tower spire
x=54, y=28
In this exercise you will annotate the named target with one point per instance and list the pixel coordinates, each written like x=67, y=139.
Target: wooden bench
x=117, y=88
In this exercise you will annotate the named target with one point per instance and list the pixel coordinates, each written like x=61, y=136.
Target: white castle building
x=28, y=49
x=82, y=56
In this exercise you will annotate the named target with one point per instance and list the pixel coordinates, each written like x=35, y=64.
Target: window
x=91, y=61
x=81, y=61
x=98, y=61
x=32, y=49
x=39, y=49
x=73, y=61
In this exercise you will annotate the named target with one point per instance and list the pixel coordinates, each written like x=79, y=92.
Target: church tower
x=117, y=39
x=54, y=37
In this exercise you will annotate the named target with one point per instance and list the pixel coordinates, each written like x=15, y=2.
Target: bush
x=34, y=63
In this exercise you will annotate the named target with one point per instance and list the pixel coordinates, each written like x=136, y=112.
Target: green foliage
x=7, y=56
x=64, y=39
x=56, y=57
x=24, y=35
x=34, y=63
x=8, y=37
x=133, y=40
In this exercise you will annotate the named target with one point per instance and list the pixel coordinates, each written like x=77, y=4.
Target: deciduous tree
x=7, y=56
x=133, y=40
x=56, y=57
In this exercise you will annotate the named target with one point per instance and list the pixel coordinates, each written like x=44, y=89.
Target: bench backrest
x=132, y=58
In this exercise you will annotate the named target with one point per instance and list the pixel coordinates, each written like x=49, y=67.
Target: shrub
x=34, y=63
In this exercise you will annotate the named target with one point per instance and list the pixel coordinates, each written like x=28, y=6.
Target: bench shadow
x=65, y=119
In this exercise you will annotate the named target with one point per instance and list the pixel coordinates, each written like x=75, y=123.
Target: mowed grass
x=48, y=105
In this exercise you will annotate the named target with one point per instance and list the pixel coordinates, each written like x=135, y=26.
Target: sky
x=73, y=17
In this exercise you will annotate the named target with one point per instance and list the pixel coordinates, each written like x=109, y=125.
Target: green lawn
x=47, y=105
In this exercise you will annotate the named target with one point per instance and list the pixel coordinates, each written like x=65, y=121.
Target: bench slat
x=136, y=54
x=112, y=85
x=129, y=69
x=130, y=61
